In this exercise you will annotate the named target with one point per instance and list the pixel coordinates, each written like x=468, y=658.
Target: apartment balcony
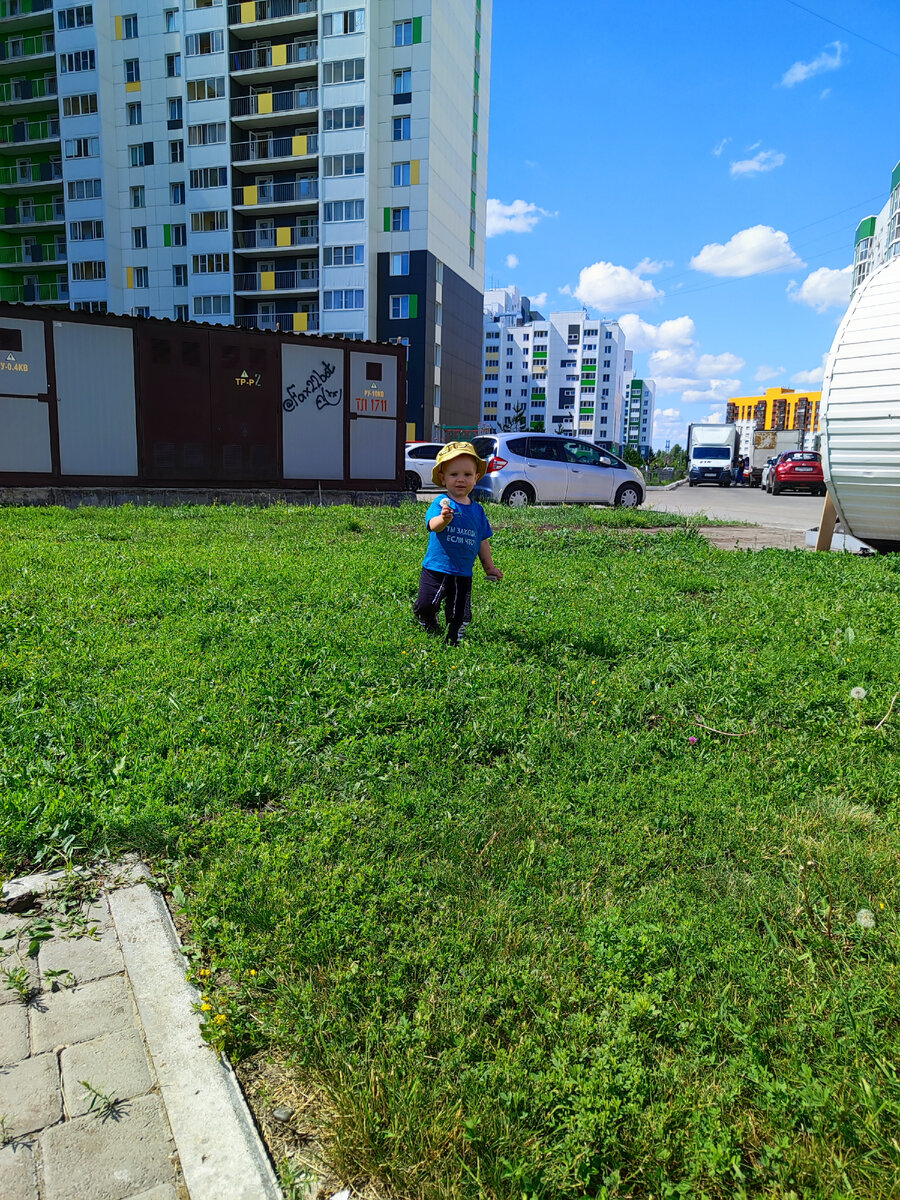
x=31, y=258
x=28, y=95
x=31, y=177
x=274, y=243
x=270, y=197
x=35, y=293
x=32, y=215
x=26, y=53
x=268, y=64
x=24, y=134
x=273, y=108
x=302, y=322
x=273, y=151
x=273, y=283
x=25, y=14
x=255, y=18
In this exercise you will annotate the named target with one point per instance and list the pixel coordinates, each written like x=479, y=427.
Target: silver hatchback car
x=548, y=468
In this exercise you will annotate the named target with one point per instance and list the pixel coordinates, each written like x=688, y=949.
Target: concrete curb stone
x=18, y=1178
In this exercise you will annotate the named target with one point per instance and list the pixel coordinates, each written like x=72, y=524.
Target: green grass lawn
x=529, y=936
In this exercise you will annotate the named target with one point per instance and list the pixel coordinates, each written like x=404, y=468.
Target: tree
x=632, y=456
x=516, y=422
x=537, y=425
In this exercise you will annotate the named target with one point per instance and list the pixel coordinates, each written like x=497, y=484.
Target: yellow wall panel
x=279, y=56
x=264, y=102
x=283, y=235
x=134, y=86
x=118, y=29
x=414, y=171
x=299, y=144
x=129, y=277
x=248, y=12
x=300, y=322
x=267, y=281
x=251, y=195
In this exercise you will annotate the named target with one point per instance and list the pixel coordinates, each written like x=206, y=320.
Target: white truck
x=769, y=443
x=712, y=454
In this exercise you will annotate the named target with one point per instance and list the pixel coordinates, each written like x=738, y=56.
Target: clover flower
x=692, y=740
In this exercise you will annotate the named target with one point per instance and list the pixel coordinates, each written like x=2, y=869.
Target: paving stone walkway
x=107, y=1091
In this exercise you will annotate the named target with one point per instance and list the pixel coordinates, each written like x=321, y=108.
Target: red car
x=799, y=470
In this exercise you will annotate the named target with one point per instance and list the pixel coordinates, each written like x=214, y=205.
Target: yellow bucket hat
x=456, y=450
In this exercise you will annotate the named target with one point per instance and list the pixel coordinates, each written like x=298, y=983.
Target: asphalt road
x=792, y=512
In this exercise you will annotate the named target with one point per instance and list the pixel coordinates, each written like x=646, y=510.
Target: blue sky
x=697, y=171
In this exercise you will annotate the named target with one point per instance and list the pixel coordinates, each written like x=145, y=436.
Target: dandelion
x=858, y=693
x=865, y=918
x=221, y=1018
x=205, y=1007
x=692, y=740
x=881, y=904
x=252, y=971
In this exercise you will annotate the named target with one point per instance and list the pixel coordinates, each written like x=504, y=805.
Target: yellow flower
x=252, y=972
x=221, y=1019
x=205, y=1007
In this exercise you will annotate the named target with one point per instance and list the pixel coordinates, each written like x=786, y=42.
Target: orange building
x=778, y=408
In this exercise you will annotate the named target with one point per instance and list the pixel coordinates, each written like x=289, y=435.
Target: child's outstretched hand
x=494, y=574
x=446, y=511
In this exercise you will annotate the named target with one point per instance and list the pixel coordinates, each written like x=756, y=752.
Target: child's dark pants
x=454, y=592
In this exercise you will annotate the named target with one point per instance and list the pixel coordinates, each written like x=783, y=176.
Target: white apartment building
x=564, y=373
x=878, y=237
x=638, y=407
x=266, y=163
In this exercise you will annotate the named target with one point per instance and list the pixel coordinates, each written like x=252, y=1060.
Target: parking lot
x=792, y=512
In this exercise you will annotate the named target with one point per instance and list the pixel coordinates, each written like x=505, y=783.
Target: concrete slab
x=158, y=1193
x=82, y=1014
x=30, y=1095
x=13, y=1033
x=13, y=961
x=88, y=958
x=112, y=1159
x=115, y=1064
x=212, y=1127
x=18, y=1179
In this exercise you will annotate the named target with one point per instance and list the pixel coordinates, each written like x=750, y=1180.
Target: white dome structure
x=861, y=412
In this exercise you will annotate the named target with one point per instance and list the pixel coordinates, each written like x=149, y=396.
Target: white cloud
x=603, y=285
x=539, y=300
x=641, y=335
x=669, y=413
x=565, y=290
x=766, y=160
x=825, y=62
x=716, y=416
x=673, y=363
x=822, y=289
x=649, y=266
x=518, y=217
x=710, y=365
x=750, y=252
x=809, y=378
x=511, y=261
x=764, y=373
x=715, y=389
x=717, y=150
x=825, y=93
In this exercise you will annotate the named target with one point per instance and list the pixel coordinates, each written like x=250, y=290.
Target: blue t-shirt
x=453, y=551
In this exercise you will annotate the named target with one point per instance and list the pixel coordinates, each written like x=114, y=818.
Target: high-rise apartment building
x=777, y=408
x=638, y=405
x=269, y=163
x=878, y=237
x=564, y=373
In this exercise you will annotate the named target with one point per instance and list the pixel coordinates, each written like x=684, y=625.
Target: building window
x=90, y=306
x=134, y=114
x=402, y=81
x=344, y=210
x=212, y=88
x=141, y=277
x=399, y=220
x=176, y=151
x=85, y=231
x=401, y=308
x=182, y=312
x=343, y=256
x=211, y=42
x=344, y=164
x=206, y=135
x=170, y=20
x=179, y=235
x=344, y=298
x=173, y=66
x=80, y=106
x=209, y=177
x=176, y=193
x=87, y=147
x=352, y=20
x=345, y=118
x=79, y=60
x=403, y=33
x=210, y=264
x=349, y=70
x=400, y=264
x=139, y=237
x=401, y=174
x=207, y=306
x=175, y=108
x=179, y=275
x=136, y=155
x=401, y=129
x=138, y=197
x=209, y=220
x=132, y=70
x=86, y=272
x=75, y=18
x=84, y=189
x=438, y=313
x=130, y=26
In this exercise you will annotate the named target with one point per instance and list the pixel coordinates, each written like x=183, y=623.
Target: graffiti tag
x=314, y=389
